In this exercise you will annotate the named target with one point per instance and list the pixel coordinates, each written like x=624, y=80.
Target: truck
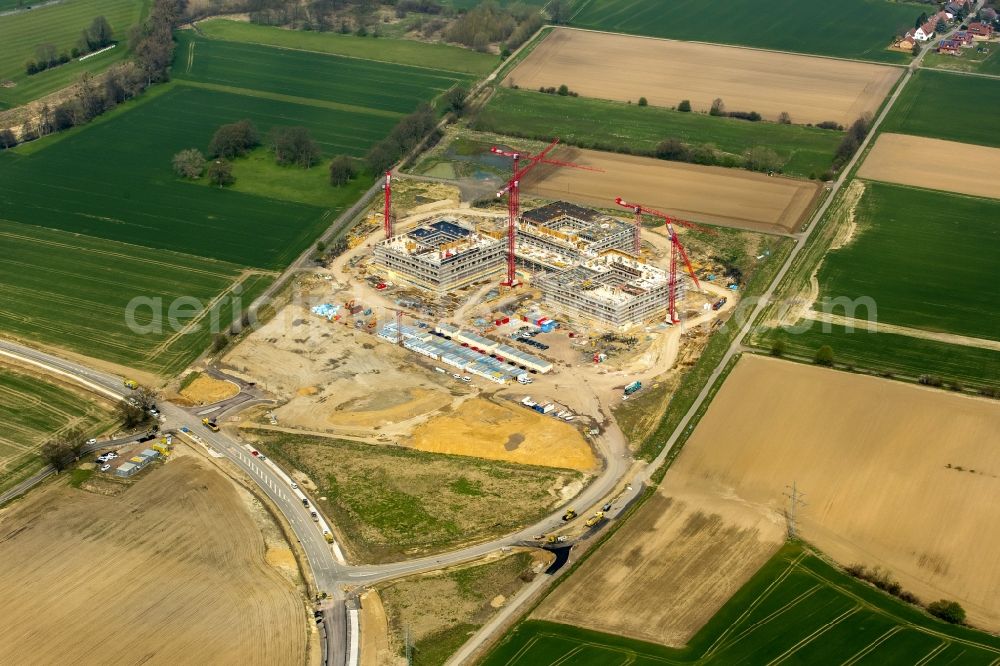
x=523, y=379
x=633, y=387
x=210, y=424
x=132, y=384
x=596, y=518
x=719, y=303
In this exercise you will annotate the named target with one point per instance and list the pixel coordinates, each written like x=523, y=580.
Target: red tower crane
x=513, y=191
x=387, y=207
x=675, y=248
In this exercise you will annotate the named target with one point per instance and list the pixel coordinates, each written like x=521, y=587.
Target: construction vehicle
x=210, y=424
x=596, y=518
x=132, y=384
x=552, y=538
x=328, y=536
x=569, y=515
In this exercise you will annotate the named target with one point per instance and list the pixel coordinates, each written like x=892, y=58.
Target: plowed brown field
x=934, y=164
x=622, y=67
x=714, y=195
x=669, y=569
x=170, y=571
x=895, y=475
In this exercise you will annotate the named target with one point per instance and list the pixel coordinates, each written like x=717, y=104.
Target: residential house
x=926, y=31
x=958, y=7
x=988, y=15
x=981, y=31
x=964, y=38
x=949, y=47
x=907, y=43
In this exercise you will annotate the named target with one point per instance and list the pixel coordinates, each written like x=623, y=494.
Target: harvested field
x=621, y=67
x=172, y=567
x=903, y=159
x=896, y=475
x=669, y=569
x=485, y=429
x=713, y=195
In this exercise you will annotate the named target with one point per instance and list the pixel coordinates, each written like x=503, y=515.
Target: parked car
x=105, y=467
x=91, y=441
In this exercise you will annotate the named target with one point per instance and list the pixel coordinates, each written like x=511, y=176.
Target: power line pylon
x=795, y=500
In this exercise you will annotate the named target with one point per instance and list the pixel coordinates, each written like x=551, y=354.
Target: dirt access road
x=176, y=565
x=713, y=195
x=934, y=164
x=623, y=67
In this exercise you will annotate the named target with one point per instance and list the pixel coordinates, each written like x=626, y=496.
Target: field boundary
x=331, y=55
x=291, y=99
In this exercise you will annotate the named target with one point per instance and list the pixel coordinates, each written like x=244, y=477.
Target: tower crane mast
x=513, y=191
x=676, y=248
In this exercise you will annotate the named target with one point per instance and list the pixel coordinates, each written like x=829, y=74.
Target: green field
x=948, y=106
x=402, y=51
x=797, y=609
x=926, y=258
x=613, y=126
x=890, y=353
x=32, y=412
x=59, y=24
x=349, y=82
x=113, y=180
x=71, y=290
x=848, y=28
x=100, y=207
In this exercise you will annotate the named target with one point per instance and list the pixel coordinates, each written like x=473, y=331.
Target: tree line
x=152, y=47
x=94, y=38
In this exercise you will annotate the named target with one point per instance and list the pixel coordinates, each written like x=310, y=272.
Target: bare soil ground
x=669, y=569
x=332, y=378
x=486, y=429
x=896, y=475
x=170, y=568
x=375, y=650
x=714, y=195
x=206, y=390
x=934, y=164
x=622, y=67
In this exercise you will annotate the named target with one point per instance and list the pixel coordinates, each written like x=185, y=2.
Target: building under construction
x=614, y=289
x=561, y=234
x=442, y=256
